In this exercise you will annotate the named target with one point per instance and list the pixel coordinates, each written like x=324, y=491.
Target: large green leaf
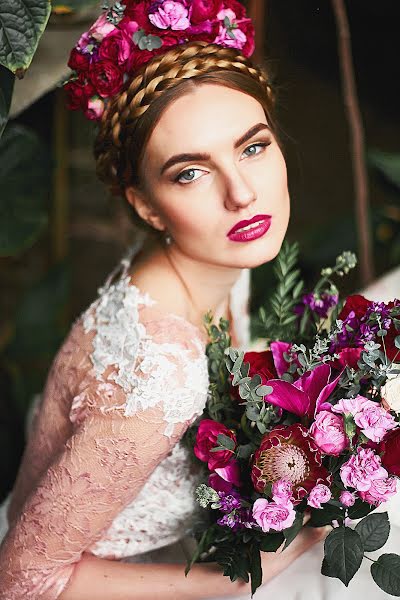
x=374, y=531
x=386, y=573
x=24, y=183
x=22, y=23
x=343, y=554
x=6, y=90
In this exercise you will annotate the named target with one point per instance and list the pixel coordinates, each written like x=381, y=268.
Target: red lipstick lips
x=255, y=228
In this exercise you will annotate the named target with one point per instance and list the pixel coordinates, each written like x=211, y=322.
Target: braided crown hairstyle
x=132, y=114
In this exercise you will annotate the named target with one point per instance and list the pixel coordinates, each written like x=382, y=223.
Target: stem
x=357, y=140
x=371, y=559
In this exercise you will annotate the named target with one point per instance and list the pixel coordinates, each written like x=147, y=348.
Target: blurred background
x=61, y=233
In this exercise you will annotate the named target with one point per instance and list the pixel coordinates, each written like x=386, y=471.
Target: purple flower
x=362, y=469
x=318, y=303
x=347, y=498
x=229, y=502
x=319, y=495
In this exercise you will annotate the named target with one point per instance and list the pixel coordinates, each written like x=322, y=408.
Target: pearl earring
x=168, y=238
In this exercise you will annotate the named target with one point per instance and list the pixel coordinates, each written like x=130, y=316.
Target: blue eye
x=187, y=176
x=253, y=146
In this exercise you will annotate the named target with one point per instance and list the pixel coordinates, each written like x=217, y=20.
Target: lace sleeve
x=126, y=419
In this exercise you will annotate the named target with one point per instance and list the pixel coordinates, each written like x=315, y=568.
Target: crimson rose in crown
x=309, y=426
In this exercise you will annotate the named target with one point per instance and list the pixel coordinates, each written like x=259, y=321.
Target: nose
x=239, y=193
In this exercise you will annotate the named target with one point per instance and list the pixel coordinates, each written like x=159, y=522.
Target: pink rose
x=269, y=515
x=101, y=28
x=380, y=491
x=170, y=14
x=319, y=495
x=361, y=469
x=282, y=491
x=351, y=406
x=374, y=421
x=347, y=498
x=95, y=108
x=204, y=10
x=206, y=440
x=328, y=433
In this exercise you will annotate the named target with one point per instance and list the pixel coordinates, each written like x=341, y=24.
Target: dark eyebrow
x=189, y=157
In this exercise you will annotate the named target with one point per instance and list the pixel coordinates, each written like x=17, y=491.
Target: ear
x=138, y=200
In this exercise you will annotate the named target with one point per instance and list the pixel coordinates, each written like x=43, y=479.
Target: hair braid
x=164, y=72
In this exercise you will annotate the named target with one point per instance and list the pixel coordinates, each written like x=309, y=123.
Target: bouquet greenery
x=310, y=425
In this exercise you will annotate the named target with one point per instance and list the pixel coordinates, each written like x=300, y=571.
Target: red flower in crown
x=127, y=36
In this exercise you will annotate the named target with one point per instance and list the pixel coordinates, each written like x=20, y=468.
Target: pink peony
x=380, y=491
x=319, y=495
x=269, y=515
x=95, y=108
x=230, y=472
x=347, y=498
x=361, y=469
x=282, y=491
x=100, y=28
x=206, y=440
x=374, y=421
x=170, y=14
x=351, y=406
x=328, y=433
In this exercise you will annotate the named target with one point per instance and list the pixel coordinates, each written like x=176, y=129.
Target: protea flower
x=291, y=454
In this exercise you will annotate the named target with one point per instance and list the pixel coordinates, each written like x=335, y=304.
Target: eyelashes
x=178, y=178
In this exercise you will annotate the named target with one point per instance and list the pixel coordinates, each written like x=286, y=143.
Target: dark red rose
x=78, y=61
x=356, y=303
x=117, y=47
x=204, y=10
x=390, y=446
x=206, y=439
x=78, y=93
x=106, y=77
x=290, y=453
x=348, y=357
x=237, y=8
x=261, y=363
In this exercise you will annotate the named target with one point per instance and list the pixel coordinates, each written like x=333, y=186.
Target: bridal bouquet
x=310, y=425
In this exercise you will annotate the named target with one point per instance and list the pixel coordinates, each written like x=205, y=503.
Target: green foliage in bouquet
x=244, y=413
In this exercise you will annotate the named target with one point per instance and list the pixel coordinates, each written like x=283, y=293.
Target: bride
x=103, y=506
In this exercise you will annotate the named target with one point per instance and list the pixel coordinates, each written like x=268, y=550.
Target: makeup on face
x=249, y=230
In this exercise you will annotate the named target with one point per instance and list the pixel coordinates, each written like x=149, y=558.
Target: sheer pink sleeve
x=126, y=413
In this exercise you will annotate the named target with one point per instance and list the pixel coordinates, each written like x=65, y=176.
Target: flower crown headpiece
x=128, y=34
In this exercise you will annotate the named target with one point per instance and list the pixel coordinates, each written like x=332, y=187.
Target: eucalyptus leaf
x=22, y=23
x=225, y=441
x=397, y=341
x=374, y=531
x=386, y=573
x=264, y=390
x=343, y=554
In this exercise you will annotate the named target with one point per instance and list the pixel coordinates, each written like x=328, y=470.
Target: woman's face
x=210, y=163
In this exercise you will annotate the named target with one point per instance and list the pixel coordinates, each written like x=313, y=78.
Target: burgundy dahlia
x=291, y=454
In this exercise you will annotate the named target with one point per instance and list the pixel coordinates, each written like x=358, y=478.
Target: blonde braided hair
x=117, y=149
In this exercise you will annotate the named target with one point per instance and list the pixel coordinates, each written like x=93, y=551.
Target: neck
x=207, y=285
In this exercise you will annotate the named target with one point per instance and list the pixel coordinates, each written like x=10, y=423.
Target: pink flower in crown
x=95, y=108
x=380, y=491
x=204, y=10
x=100, y=28
x=269, y=515
x=170, y=14
x=375, y=421
x=362, y=469
x=239, y=39
x=117, y=46
x=320, y=494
